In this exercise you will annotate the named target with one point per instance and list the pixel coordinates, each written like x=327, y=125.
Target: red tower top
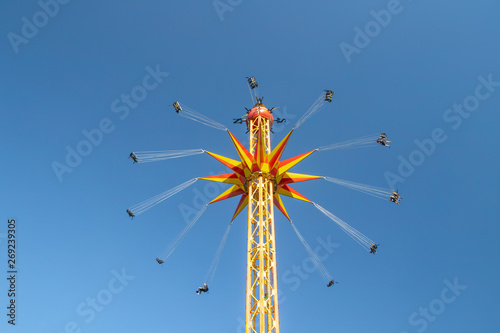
x=259, y=110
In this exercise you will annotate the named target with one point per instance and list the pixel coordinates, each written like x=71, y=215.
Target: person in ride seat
x=382, y=139
x=203, y=289
x=331, y=283
x=132, y=156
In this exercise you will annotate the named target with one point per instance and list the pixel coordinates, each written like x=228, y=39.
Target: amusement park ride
x=260, y=177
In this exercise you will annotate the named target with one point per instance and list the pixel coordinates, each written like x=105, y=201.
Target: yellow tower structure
x=262, y=313
x=260, y=178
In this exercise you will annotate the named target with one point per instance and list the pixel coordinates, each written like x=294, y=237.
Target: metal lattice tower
x=262, y=289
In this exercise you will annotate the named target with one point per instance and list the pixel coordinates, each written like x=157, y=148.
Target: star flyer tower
x=260, y=178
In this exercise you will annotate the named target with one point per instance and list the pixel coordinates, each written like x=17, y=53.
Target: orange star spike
x=229, y=178
x=285, y=165
x=229, y=193
x=230, y=163
x=290, y=192
x=277, y=152
x=242, y=204
x=289, y=177
x=279, y=204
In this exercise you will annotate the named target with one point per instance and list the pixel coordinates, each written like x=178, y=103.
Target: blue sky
x=437, y=265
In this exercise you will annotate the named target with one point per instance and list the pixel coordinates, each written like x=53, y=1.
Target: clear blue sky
x=73, y=233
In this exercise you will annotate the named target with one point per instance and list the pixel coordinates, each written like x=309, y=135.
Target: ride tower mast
x=260, y=177
x=262, y=313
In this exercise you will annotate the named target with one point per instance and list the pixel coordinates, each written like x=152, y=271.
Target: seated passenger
x=177, y=107
x=202, y=289
x=382, y=139
x=132, y=155
x=331, y=283
x=329, y=95
x=251, y=81
x=395, y=197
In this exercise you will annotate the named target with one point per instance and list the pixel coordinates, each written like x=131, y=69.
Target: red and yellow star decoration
x=260, y=162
